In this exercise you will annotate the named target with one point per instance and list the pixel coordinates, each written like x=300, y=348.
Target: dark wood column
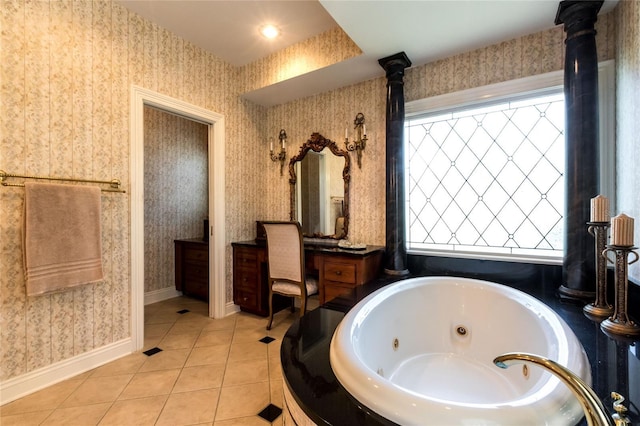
x=582, y=162
x=396, y=251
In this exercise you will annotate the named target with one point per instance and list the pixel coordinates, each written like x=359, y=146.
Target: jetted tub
x=421, y=351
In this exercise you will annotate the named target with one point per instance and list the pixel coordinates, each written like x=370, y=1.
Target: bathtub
x=421, y=351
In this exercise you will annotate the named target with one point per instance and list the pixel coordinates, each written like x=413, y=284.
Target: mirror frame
x=317, y=143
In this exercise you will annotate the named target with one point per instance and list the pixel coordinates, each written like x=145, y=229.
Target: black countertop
x=615, y=364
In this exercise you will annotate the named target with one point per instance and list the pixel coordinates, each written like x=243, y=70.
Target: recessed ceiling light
x=269, y=31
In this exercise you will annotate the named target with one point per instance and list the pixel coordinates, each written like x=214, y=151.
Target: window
x=485, y=178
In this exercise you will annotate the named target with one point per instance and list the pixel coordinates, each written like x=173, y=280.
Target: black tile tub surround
x=307, y=371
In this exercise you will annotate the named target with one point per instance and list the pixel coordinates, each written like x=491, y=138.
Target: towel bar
x=114, y=183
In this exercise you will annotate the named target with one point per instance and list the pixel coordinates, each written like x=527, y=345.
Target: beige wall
x=175, y=190
x=66, y=71
x=329, y=113
x=628, y=116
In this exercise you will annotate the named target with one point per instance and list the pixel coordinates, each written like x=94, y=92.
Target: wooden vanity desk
x=338, y=271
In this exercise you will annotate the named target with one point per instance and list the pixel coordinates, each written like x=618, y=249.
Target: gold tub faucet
x=594, y=411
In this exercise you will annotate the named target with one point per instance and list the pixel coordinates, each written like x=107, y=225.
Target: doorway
x=215, y=123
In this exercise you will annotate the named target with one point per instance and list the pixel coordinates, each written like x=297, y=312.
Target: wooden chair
x=285, y=251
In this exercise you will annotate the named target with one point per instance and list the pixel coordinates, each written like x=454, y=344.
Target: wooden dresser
x=192, y=267
x=338, y=272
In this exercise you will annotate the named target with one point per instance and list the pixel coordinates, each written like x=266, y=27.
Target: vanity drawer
x=245, y=278
x=243, y=257
x=340, y=272
x=246, y=299
x=195, y=254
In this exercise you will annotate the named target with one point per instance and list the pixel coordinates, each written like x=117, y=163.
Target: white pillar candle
x=622, y=230
x=600, y=209
x=271, y=145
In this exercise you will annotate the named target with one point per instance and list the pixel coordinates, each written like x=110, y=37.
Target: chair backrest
x=285, y=250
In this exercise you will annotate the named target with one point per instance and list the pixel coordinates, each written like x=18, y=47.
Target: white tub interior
x=424, y=347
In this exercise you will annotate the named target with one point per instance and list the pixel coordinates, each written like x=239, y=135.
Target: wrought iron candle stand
x=619, y=323
x=600, y=308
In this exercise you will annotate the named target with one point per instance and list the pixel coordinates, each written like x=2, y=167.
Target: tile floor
x=209, y=372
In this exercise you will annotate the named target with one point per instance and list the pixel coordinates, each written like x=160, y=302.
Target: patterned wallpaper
x=175, y=190
x=329, y=113
x=628, y=112
x=317, y=52
x=66, y=69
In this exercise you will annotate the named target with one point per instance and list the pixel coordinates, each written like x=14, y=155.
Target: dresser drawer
x=195, y=254
x=192, y=267
x=340, y=272
x=196, y=272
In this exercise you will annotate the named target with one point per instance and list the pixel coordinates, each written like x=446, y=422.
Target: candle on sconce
x=622, y=230
x=271, y=145
x=600, y=209
x=364, y=129
x=283, y=142
x=346, y=133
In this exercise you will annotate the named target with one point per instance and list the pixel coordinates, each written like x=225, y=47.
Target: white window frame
x=526, y=86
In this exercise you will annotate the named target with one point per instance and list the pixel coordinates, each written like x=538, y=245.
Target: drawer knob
x=338, y=272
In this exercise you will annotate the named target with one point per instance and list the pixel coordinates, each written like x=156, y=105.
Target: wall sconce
x=360, y=138
x=282, y=155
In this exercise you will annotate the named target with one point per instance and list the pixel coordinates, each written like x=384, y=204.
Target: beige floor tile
x=189, y=408
x=249, y=334
x=50, y=397
x=181, y=384
x=252, y=371
x=199, y=377
x=129, y=364
x=242, y=401
x=245, y=320
x=178, y=341
x=77, y=416
x=165, y=360
x=277, y=397
x=151, y=342
x=97, y=390
x=150, y=383
x=25, y=419
x=217, y=354
x=196, y=320
x=157, y=330
x=243, y=421
x=275, y=368
x=160, y=318
x=244, y=351
x=227, y=323
x=142, y=411
x=213, y=338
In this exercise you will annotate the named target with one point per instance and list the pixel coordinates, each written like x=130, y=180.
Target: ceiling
x=425, y=30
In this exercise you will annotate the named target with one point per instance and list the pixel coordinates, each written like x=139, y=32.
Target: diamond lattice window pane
x=488, y=179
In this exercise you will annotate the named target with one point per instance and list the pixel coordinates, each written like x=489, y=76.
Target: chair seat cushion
x=294, y=289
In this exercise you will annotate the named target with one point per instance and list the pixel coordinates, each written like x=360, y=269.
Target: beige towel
x=61, y=238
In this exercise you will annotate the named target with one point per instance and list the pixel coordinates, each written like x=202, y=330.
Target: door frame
x=216, y=143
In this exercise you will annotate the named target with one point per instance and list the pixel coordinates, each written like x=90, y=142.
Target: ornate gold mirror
x=319, y=198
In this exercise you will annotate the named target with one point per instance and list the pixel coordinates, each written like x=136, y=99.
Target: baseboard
x=23, y=385
x=231, y=308
x=160, y=295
